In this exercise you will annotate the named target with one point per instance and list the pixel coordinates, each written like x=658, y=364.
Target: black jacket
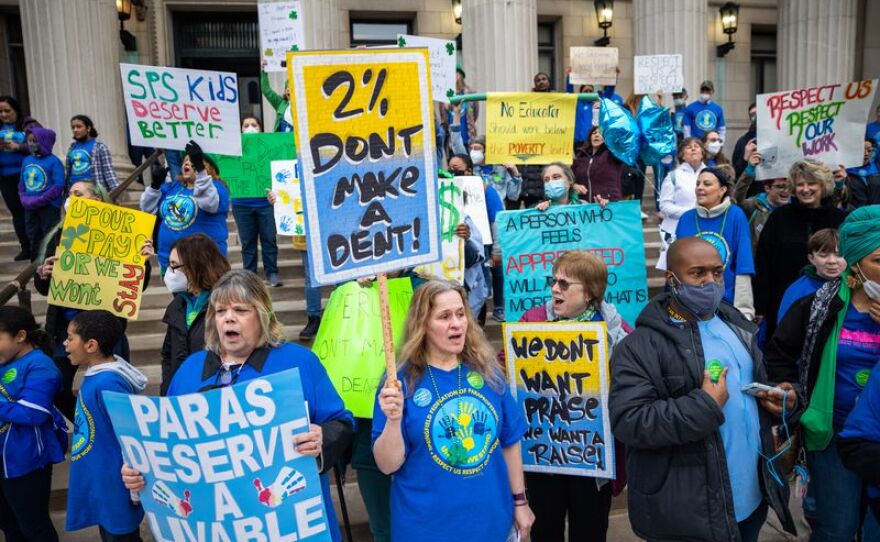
x=180, y=340
x=862, y=191
x=782, y=252
x=678, y=483
x=532, y=184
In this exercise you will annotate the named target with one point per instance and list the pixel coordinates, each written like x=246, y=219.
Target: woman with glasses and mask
x=713, y=144
x=244, y=341
x=577, y=287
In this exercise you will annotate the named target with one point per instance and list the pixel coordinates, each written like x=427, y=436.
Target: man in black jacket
x=694, y=440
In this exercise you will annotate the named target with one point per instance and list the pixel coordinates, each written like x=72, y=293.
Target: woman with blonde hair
x=449, y=431
x=243, y=341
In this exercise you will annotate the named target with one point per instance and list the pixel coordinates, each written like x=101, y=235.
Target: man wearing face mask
x=694, y=439
x=704, y=115
x=679, y=100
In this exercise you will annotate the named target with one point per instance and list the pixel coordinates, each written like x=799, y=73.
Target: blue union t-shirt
x=180, y=217
x=79, y=161
x=741, y=430
x=96, y=494
x=857, y=353
x=704, y=117
x=453, y=483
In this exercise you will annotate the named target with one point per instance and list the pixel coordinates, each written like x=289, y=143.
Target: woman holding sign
x=449, y=430
x=244, y=341
x=578, y=289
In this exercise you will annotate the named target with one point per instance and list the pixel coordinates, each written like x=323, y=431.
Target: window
x=378, y=31
x=763, y=60
x=547, y=49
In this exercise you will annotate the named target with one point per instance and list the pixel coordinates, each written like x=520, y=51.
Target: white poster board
x=475, y=205
x=593, y=65
x=442, y=58
x=281, y=30
x=289, y=216
x=451, y=265
x=658, y=72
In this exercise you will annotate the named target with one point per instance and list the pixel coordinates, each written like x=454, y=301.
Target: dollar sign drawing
x=449, y=215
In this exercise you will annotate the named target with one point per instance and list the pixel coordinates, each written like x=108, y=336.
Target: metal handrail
x=481, y=97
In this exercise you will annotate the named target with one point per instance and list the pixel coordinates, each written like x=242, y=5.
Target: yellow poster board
x=530, y=127
x=106, y=230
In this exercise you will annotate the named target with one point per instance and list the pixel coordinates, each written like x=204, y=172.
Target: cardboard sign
x=658, y=72
x=289, y=216
x=559, y=376
x=222, y=465
x=529, y=127
x=281, y=30
x=441, y=54
x=593, y=65
x=531, y=241
x=826, y=123
x=475, y=205
x=350, y=343
x=451, y=267
x=365, y=127
x=250, y=175
x=167, y=107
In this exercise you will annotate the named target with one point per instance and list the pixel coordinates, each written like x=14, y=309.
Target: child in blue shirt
x=32, y=433
x=96, y=495
x=826, y=264
x=41, y=186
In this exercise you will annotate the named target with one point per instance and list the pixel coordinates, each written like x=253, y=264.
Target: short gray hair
x=242, y=286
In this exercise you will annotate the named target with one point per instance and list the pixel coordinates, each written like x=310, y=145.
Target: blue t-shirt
x=802, y=287
x=678, y=120
x=96, y=494
x=872, y=132
x=453, y=483
x=494, y=203
x=864, y=420
x=857, y=353
x=41, y=174
x=10, y=161
x=741, y=430
x=181, y=217
x=79, y=161
x=704, y=117
x=734, y=243
x=254, y=203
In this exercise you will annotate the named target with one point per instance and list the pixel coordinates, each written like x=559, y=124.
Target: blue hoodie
x=42, y=177
x=28, y=421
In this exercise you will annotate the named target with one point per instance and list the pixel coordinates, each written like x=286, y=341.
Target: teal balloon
x=620, y=130
x=655, y=125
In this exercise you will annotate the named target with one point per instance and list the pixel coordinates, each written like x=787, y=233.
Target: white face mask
x=705, y=98
x=477, y=157
x=713, y=148
x=250, y=130
x=872, y=288
x=175, y=280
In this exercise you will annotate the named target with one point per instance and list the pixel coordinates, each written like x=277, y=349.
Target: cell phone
x=755, y=387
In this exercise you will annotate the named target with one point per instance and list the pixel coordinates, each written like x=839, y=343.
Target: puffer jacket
x=678, y=483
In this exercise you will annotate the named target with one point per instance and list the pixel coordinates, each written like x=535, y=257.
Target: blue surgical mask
x=678, y=102
x=555, y=190
x=701, y=300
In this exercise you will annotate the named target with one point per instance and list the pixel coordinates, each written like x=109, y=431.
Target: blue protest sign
x=222, y=465
x=531, y=241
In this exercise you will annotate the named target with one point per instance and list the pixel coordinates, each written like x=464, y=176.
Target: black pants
x=9, y=191
x=552, y=497
x=38, y=222
x=129, y=537
x=24, y=507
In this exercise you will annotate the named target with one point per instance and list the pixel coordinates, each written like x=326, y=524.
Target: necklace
x=716, y=238
x=452, y=431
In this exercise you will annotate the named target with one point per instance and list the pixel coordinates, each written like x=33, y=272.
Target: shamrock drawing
x=268, y=52
x=71, y=234
x=294, y=47
x=450, y=49
x=450, y=93
x=293, y=15
x=401, y=42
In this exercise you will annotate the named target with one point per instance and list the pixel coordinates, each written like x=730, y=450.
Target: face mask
x=555, y=190
x=713, y=148
x=175, y=280
x=457, y=173
x=701, y=300
x=705, y=98
x=753, y=118
x=250, y=130
x=872, y=288
x=34, y=148
x=477, y=157
x=678, y=102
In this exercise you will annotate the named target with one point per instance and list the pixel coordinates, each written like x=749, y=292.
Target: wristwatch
x=520, y=497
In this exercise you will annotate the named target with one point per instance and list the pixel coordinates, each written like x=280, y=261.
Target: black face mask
x=457, y=173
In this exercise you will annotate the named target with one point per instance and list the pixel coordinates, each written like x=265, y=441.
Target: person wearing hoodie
x=31, y=434
x=41, y=187
x=578, y=289
x=197, y=202
x=13, y=150
x=95, y=494
x=597, y=172
x=704, y=115
x=694, y=440
x=88, y=158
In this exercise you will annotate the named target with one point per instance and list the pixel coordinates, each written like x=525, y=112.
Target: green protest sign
x=250, y=175
x=350, y=343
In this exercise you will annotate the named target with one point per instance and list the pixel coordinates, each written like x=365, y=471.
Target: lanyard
x=723, y=222
x=455, y=435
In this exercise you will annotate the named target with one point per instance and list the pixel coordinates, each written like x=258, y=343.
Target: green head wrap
x=860, y=233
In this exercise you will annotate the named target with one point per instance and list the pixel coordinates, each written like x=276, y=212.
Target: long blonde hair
x=477, y=355
x=242, y=286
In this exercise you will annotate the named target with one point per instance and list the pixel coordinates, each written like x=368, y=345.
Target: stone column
x=322, y=24
x=674, y=27
x=500, y=44
x=816, y=42
x=72, y=59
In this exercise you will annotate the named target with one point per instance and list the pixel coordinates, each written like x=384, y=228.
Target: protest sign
x=167, y=107
x=350, y=343
x=826, y=123
x=531, y=241
x=558, y=374
x=99, y=264
x=281, y=30
x=222, y=465
x=442, y=58
x=593, y=65
x=365, y=125
x=529, y=127
x=451, y=266
x=475, y=205
x=289, y=219
x=658, y=72
x=250, y=175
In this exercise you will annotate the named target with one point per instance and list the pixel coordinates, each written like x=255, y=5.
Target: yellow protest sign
x=559, y=375
x=106, y=230
x=529, y=127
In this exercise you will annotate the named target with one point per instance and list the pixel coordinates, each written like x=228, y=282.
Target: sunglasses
x=563, y=284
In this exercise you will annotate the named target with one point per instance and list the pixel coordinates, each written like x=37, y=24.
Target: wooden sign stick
x=385, y=311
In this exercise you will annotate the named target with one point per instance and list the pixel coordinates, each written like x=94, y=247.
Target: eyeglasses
x=780, y=187
x=227, y=375
x=563, y=284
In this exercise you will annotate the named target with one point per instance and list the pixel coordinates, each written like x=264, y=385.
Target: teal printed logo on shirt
x=461, y=432
x=35, y=178
x=83, y=431
x=706, y=120
x=719, y=242
x=81, y=161
x=179, y=211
